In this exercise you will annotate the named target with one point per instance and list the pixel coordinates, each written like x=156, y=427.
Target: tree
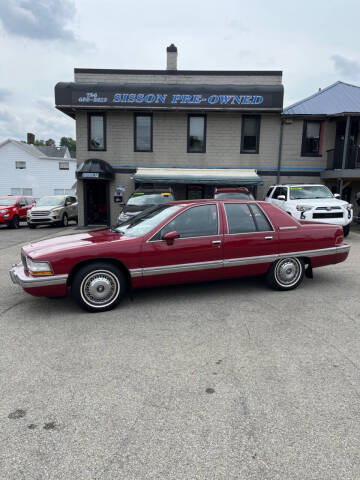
x=48, y=143
x=70, y=143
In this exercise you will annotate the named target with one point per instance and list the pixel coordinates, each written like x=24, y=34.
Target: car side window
x=261, y=221
x=201, y=221
x=239, y=218
x=280, y=191
x=22, y=202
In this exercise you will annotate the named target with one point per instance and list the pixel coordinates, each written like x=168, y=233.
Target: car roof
x=153, y=190
x=298, y=185
x=233, y=189
x=205, y=201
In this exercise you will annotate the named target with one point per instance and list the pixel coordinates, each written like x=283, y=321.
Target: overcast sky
x=314, y=43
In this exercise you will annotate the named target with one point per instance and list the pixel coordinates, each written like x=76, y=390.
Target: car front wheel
x=15, y=222
x=98, y=287
x=64, y=221
x=286, y=273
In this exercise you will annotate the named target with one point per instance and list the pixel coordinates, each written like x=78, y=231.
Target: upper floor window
x=20, y=165
x=250, y=134
x=96, y=131
x=63, y=165
x=27, y=191
x=143, y=132
x=311, y=141
x=196, y=134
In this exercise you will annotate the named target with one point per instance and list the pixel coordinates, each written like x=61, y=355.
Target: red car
x=13, y=209
x=179, y=242
x=234, y=193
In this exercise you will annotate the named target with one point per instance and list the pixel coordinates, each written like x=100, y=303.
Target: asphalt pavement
x=223, y=380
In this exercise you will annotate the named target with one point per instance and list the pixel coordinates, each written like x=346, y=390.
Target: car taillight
x=339, y=239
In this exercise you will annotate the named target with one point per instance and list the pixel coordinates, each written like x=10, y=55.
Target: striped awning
x=207, y=176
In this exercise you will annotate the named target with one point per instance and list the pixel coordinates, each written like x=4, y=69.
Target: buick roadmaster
x=179, y=242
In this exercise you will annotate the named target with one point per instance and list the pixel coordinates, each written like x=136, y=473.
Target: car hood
x=6, y=206
x=72, y=241
x=326, y=202
x=45, y=207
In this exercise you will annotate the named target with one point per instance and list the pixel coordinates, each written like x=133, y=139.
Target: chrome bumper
x=18, y=276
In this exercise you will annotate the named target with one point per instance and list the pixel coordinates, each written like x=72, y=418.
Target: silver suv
x=53, y=210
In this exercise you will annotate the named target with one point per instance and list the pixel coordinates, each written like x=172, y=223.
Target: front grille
x=38, y=213
x=328, y=208
x=328, y=215
x=23, y=260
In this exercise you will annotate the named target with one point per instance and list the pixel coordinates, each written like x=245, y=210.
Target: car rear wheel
x=98, y=287
x=15, y=223
x=64, y=221
x=346, y=230
x=286, y=273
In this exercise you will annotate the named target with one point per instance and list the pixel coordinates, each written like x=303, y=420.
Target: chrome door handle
x=268, y=238
x=216, y=242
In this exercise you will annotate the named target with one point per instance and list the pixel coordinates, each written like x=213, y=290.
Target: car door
x=250, y=240
x=277, y=192
x=195, y=256
x=22, y=206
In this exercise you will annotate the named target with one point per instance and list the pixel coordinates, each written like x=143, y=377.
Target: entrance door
x=96, y=202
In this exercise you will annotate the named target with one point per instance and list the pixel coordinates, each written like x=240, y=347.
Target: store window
x=16, y=191
x=96, y=131
x=27, y=191
x=311, y=141
x=196, y=134
x=143, y=133
x=63, y=165
x=20, y=165
x=250, y=134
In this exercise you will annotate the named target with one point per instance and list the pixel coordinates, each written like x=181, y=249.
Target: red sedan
x=179, y=242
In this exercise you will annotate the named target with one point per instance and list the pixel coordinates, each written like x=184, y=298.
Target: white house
x=26, y=169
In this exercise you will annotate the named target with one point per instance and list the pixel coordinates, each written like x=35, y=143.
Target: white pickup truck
x=312, y=203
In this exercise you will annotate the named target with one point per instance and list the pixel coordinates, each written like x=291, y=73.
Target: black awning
x=72, y=96
x=95, y=169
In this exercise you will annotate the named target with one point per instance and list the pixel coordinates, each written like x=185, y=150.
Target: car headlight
x=38, y=268
x=56, y=210
x=303, y=208
x=5, y=210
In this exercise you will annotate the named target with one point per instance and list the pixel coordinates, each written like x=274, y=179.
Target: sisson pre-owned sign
x=169, y=96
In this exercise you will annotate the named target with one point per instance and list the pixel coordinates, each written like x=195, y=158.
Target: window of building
x=96, y=131
x=27, y=191
x=199, y=221
x=20, y=165
x=196, y=134
x=143, y=132
x=16, y=191
x=250, y=134
x=63, y=165
x=311, y=141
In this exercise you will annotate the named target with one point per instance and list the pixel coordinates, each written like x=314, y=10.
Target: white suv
x=310, y=202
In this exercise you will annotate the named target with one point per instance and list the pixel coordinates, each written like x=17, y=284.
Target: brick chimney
x=30, y=139
x=171, y=57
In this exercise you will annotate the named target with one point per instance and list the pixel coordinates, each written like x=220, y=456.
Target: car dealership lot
x=226, y=380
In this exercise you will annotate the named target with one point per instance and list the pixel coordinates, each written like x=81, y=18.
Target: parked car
x=144, y=198
x=312, y=203
x=14, y=209
x=179, y=242
x=239, y=193
x=53, y=210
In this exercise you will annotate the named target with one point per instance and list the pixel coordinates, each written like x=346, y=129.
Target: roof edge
x=179, y=72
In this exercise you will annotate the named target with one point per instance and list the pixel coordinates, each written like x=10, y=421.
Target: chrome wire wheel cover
x=100, y=288
x=288, y=272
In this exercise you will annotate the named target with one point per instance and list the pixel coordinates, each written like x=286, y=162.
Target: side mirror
x=337, y=195
x=170, y=237
x=281, y=197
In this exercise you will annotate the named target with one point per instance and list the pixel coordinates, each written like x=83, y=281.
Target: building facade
x=35, y=171
x=191, y=130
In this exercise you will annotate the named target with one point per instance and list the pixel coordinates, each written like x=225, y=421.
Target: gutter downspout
x=346, y=144
x=280, y=152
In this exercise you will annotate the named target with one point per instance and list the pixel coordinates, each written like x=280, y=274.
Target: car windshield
x=6, y=201
x=50, y=201
x=310, y=191
x=144, y=222
x=239, y=195
x=141, y=199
